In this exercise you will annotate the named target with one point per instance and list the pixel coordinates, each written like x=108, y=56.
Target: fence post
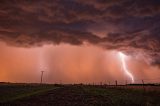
x=143, y=85
x=100, y=83
x=126, y=82
x=116, y=82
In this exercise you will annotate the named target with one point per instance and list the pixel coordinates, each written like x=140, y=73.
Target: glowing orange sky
x=69, y=64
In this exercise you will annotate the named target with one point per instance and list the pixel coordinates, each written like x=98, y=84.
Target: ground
x=78, y=95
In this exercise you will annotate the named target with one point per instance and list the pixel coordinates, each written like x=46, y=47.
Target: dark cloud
x=129, y=25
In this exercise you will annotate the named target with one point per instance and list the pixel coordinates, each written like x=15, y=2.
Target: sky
x=78, y=41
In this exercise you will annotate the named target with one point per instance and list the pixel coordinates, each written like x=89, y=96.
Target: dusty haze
x=69, y=64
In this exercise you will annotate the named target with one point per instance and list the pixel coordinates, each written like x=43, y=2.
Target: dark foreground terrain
x=75, y=95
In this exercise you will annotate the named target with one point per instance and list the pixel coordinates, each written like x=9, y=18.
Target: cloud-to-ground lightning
x=122, y=57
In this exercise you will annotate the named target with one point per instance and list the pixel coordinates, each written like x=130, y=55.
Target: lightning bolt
x=122, y=57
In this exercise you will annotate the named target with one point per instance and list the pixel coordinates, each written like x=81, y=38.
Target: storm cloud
x=131, y=26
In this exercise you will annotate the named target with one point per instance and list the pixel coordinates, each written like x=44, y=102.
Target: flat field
x=76, y=95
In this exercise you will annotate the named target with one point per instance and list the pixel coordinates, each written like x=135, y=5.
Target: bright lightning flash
x=122, y=57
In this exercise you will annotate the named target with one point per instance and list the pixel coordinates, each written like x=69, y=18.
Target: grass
x=11, y=92
x=126, y=97
x=77, y=94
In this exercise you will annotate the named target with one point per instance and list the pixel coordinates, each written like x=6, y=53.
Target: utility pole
x=116, y=82
x=42, y=76
x=143, y=85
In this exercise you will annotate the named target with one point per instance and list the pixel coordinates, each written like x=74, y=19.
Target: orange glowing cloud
x=68, y=64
